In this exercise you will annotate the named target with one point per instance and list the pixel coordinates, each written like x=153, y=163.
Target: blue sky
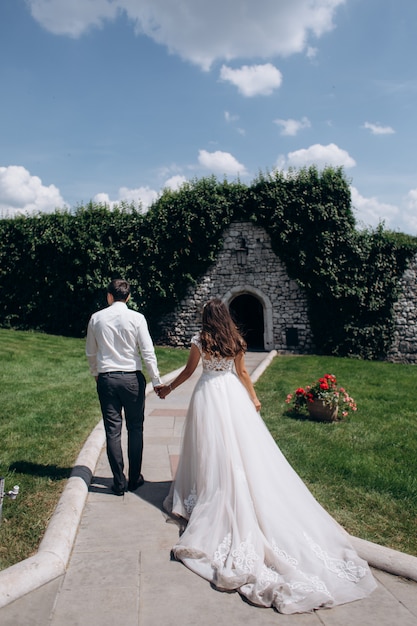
x=111, y=100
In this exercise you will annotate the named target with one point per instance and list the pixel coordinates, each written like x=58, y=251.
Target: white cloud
x=319, y=155
x=370, y=211
x=230, y=118
x=253, y=80
x=412, y=199
x=74, y=17
x=410, y=215
x=175, y=182
x=20, y=192
x=144, y=196
x=104, y=198
x=291, y=127
x=200, y=31
x=220, y=162
x=168, y=171
x=234, y=118
x=377, y=129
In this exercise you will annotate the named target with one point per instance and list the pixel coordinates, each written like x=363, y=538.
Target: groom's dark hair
x=119, y=289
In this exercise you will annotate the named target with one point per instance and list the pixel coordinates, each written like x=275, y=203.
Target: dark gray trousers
x=117, y=391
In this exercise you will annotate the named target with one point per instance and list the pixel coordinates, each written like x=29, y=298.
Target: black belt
x=122, y=373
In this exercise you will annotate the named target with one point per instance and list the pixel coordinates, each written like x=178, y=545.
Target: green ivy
x=54, y=267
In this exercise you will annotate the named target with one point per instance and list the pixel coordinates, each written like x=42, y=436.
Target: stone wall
x=404, y=347
x=246, y=265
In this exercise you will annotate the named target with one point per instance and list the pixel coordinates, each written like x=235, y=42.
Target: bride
x=251, y=523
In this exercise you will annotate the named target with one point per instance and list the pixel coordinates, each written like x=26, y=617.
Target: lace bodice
x=213, y=363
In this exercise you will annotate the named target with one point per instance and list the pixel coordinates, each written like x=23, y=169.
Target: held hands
x=162, y=391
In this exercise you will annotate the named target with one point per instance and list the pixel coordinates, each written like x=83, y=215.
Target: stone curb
x=54, y=551
x=386, y=559
x=258, y=371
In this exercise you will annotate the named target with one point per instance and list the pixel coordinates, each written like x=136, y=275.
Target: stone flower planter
x=321, y=412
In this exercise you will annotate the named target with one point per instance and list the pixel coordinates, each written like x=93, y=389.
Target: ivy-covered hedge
x=54, y=267
x=351, y=277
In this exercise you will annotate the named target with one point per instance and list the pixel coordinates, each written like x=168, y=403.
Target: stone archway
x=252, y=310
x=248, y=314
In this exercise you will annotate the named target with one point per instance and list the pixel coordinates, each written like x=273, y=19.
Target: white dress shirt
x=117, y=338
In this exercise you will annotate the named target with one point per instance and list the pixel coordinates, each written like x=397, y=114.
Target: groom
x=117, y=338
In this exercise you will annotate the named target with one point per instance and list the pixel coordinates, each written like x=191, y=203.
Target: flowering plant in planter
x=327, y=391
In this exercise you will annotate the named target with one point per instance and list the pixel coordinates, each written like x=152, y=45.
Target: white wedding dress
x=253, y=525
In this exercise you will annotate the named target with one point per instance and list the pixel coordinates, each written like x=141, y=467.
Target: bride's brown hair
x=220, y=335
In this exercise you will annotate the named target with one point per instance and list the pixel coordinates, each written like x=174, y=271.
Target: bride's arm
x=193, y=359
x=244, y=378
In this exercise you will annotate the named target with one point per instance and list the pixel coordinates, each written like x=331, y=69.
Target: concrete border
x=258, y=371
x=54, y=551
x=386, y=559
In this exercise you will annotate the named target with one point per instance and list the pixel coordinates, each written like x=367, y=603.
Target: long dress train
x=253, y=525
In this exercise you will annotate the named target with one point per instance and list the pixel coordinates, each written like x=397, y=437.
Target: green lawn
x=48, y=408
x=363, y=470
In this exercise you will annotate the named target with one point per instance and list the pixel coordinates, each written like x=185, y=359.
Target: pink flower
x=325, y=389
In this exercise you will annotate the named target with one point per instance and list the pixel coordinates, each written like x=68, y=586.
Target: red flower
x=326, y=390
